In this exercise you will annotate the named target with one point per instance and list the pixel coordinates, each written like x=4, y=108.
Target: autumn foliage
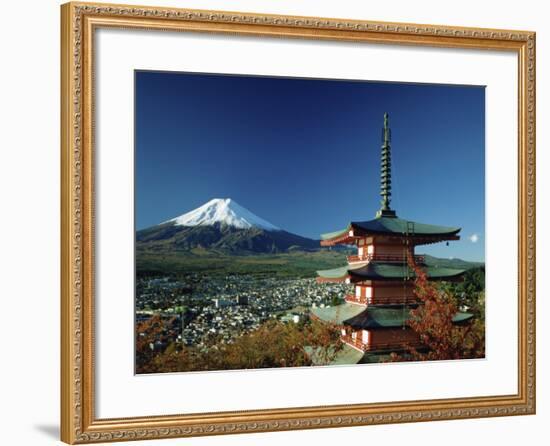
x=273, y=344
x=432, y=320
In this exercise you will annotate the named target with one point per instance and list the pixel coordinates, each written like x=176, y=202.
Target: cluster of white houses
x=374, y=318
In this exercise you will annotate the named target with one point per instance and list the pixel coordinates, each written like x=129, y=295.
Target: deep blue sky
x=304, y=154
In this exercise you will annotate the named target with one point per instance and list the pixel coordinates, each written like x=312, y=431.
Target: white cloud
x=474, y=238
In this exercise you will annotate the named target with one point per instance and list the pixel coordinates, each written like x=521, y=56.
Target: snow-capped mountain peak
x=223, y=210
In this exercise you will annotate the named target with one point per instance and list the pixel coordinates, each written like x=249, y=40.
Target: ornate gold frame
x=78, y=423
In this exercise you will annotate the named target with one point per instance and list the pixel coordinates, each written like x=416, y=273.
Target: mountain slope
x=221, y=224
x=222, y=237
x=225, y=211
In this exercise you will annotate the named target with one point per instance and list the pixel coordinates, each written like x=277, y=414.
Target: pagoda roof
x=345, y=355
x=338, y=314
x=385, y=271
x=388, y=226
x=361, y=317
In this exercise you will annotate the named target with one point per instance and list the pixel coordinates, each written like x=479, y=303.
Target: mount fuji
x=224, y=225
x=224, y=211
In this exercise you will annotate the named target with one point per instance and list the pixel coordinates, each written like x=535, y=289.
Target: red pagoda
x=373, y=320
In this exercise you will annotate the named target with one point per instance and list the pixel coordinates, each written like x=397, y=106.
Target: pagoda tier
x=375, y=328
x=379, y=271
x=372, y=317
x=383, y=293
x=390, y=229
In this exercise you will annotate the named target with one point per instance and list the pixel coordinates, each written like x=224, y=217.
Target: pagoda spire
x=385, y=172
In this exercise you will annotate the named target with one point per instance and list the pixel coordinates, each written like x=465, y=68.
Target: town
x=199, y=310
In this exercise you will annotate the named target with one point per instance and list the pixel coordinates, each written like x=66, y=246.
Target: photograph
x=257, y=209
x=305, y=222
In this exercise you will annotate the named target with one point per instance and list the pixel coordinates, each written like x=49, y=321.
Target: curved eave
x=384, y=272
x=443, y=274
x=338, y=314
x=461, y=317
x=420, y=233
x=381, y=318
x=337, y=237
x=360, y=317
x=358, y=226
x=346, y=355
x=333, y=275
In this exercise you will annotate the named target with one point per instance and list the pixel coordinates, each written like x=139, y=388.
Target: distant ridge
x=451, y=263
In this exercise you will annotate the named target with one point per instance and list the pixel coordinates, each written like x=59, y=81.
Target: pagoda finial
x=385, y=171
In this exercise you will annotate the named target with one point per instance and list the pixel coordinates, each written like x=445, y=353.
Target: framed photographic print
x=301, y=216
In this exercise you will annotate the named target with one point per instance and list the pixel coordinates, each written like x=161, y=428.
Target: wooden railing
x=383, y=258
x=382, y=300
x=353, y=342
x=378, y=347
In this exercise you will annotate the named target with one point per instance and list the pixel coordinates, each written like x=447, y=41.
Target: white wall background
x=29, y=222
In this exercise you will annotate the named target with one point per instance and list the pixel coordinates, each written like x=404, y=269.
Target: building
x=241, y=300
x=374, y=317
x=223, y=303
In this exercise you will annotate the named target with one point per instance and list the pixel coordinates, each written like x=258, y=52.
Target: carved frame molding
x=78, y=424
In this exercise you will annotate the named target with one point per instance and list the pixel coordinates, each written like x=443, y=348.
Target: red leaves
x=433, y=321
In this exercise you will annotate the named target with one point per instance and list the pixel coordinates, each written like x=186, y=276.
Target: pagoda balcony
x=389, y=258
x=383, y=300
x=356, y=343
